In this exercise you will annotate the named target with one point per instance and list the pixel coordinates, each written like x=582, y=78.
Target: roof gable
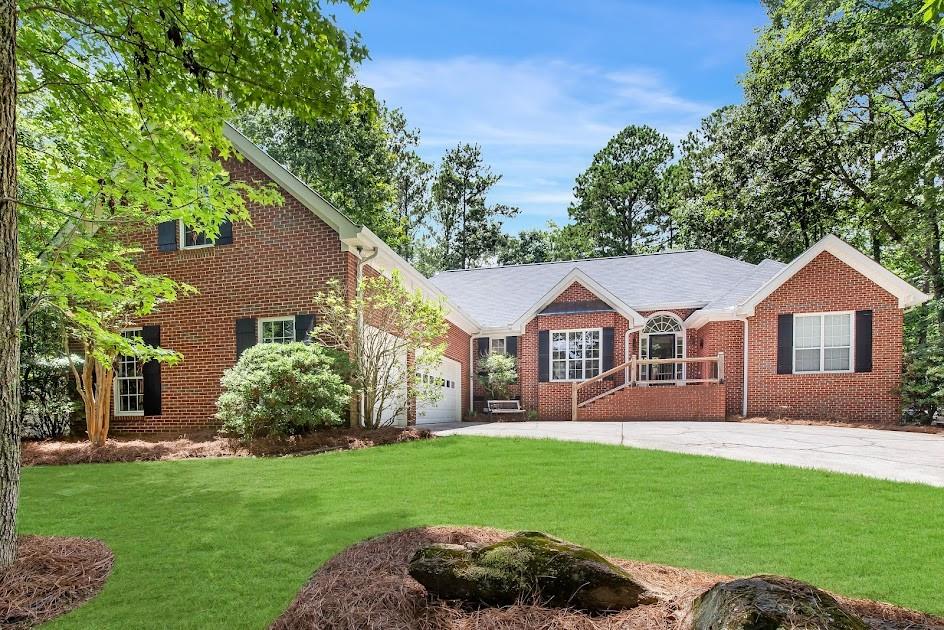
x=580, y=277
x=907, y=295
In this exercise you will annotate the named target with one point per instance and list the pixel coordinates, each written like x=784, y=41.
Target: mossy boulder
x=527, y=567
x=768, y=602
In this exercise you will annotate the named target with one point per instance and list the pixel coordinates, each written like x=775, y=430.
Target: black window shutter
x=863, y=341
x=226, y=234
x=607, y=350
x=482, y=346
x=544, y=356
x=785, y=343
x=167, y=236
x=303, y=327
x=151, y=371
x=245, y=335
x=511, y=346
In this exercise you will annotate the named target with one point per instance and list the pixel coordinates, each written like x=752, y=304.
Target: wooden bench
x=503, y=406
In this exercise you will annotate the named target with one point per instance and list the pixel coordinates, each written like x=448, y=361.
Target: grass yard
x=227, y=543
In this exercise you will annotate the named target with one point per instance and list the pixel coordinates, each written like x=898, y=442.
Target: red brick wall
x=727, y=337
x=690, y=402
x=827, y=284
x=274, y=267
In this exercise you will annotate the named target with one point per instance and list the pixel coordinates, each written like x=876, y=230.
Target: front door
x=662, y=346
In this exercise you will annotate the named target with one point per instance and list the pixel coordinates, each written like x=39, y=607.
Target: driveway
x=894, y=455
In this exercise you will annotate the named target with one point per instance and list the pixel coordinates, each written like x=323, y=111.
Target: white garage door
x=449, y=406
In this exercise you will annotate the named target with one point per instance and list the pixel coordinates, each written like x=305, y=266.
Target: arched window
x=663, y=337
x=663, y=324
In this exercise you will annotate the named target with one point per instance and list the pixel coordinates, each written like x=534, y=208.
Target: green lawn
x=227, y=543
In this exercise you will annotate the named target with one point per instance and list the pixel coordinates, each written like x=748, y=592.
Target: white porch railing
x=711, y=370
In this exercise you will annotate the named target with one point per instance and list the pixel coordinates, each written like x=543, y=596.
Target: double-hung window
x=129, y=382
x=822, y=342
x=277, y=330
x=575, y=354
x=497, y=345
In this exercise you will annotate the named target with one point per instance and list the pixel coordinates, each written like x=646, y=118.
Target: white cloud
x=539, y=121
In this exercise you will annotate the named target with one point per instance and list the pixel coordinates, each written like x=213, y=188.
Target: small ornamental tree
x=383, y=325
x=283, y=389
x=102, y=294
x=496, y=371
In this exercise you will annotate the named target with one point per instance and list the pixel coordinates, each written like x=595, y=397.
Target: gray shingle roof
x=498, y=296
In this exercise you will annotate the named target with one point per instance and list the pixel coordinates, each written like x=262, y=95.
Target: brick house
x=676, y=335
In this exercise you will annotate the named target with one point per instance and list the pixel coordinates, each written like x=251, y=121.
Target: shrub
x=46, y=398
x=922, y=386
x=283, y=389
x=496, y=371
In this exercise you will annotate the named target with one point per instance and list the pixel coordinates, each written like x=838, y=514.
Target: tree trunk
x=9, y=291
x=98, y=383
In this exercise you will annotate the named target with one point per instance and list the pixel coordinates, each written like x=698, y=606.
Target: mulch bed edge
x=51, y=576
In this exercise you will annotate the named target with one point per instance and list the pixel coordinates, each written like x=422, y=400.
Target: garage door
x=449, y=406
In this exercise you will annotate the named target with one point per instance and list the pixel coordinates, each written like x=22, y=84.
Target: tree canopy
x=121, y=115
x=618, y=196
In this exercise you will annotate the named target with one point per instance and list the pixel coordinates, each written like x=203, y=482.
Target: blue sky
x=542, y=86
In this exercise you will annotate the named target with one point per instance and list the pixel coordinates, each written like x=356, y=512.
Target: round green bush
x=283, y=389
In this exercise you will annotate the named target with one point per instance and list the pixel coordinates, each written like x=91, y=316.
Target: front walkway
x=894, y=455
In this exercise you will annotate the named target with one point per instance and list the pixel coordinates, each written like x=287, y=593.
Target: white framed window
x=496, y=345
x=822, y=342
x=129, y=382
x=191, y=238
x=277, y=330
x=575, y=354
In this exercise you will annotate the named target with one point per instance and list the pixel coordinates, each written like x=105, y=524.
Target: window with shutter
x=129, y=381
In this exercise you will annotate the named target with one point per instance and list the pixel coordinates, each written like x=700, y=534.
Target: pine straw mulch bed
x=367, y=587
x=906, y=428
x=158, y=447
x=50, y=577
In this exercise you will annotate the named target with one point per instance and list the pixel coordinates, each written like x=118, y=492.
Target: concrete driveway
x=894, y=455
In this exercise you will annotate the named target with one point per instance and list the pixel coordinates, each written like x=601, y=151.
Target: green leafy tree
x=346, y=158
x=496, y=372
x=412, y=178
x=467, y=229
x=749, y=186
x=932, y=12
x=856, y=82
x=280, y=389
x=618, y=196
x=121, y=112
x=551, y=244
x=383, y=325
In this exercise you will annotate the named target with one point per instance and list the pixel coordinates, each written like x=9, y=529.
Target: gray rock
x=527, y=567
x=768, y=602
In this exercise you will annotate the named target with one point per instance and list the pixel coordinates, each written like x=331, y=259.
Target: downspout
x=744, y=366
x=361, y=261
x=471, y=374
